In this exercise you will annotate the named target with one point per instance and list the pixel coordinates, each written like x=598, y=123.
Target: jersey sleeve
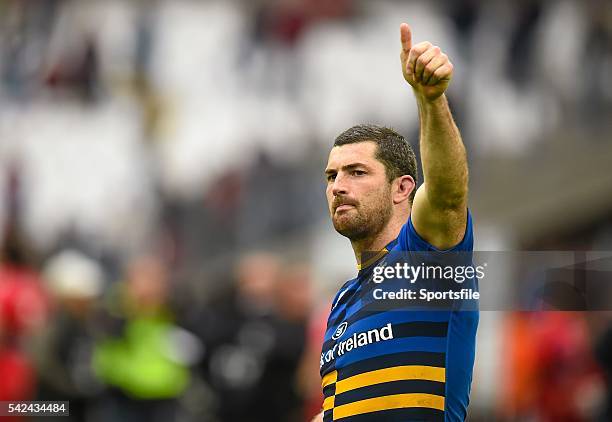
x=410, y=240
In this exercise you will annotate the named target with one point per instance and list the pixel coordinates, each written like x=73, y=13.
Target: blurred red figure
x=23, y=302
x=551, y=371
x=23, y=308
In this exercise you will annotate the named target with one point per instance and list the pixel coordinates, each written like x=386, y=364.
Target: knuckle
x=425, y=58
x=422, y=47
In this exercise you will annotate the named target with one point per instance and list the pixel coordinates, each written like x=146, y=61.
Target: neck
x=378, y=241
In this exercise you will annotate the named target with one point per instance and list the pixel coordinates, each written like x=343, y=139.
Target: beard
x=366, y=219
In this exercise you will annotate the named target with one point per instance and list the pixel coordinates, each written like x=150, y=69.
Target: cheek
x=377, y=198
x=328, y=195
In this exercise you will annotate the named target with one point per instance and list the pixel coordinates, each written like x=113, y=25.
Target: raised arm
x=439, y=211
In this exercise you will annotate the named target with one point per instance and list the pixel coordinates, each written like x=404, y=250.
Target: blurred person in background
x=24, y=309
x=253, y=337
x=294, y=301
x=551, y=374
x=24, y=304
x=76, y=74
x=144, y=358
x=64, y=351
x=278, y=27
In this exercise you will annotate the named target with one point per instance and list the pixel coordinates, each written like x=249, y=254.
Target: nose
x=339, y=186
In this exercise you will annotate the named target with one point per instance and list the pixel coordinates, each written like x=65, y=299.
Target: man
x=410, y=365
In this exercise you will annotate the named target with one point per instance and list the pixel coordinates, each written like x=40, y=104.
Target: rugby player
x=408, y=365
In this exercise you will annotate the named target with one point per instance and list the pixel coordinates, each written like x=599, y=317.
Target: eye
x=358, y=172
x=331, y=177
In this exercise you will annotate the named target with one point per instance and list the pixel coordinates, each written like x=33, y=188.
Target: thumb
x=406, y=37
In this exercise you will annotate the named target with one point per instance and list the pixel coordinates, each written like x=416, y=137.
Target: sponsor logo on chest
x=355, y=341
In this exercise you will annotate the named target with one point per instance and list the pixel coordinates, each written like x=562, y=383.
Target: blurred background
x=166, y=250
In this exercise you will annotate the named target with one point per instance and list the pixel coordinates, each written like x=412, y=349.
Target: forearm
x=443, y=154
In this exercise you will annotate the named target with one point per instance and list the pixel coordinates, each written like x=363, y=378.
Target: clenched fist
x=426, y=68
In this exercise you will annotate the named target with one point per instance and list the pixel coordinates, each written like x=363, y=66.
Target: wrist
x=425, y=103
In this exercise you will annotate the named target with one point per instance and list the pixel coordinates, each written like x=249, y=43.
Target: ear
x=401, y=189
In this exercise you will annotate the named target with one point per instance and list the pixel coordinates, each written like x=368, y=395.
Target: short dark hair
x=392, y=149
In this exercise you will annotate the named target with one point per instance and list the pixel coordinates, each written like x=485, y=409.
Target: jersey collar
x=375, y=257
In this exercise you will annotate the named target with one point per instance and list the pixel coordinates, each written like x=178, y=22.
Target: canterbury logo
x=340, y=330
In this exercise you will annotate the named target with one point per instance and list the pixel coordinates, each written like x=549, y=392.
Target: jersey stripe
x=328, y=403
x=394, y=401
x=396, y=373
x=414, y=414
x=391, y=308
x=367, y=318
x=393, y=359
x=329, y=379
x=392, y=387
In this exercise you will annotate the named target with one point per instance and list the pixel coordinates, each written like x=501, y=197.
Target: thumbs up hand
x=425, y=67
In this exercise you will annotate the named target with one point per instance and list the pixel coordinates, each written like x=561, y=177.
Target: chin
x=350, y=233
x=343, y=223
x=350, y=229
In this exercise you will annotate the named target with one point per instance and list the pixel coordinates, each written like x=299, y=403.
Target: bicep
x=440, y=225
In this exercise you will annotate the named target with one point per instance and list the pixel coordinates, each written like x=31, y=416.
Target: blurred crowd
x=161, y=174
x=133, y=350
x=125, y=340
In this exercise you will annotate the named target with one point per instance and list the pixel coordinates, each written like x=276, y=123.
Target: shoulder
x=410, y=240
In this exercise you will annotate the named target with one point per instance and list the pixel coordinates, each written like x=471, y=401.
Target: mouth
x=344, y=207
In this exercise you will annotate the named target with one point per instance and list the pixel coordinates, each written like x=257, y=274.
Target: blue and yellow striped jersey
x=397, y=363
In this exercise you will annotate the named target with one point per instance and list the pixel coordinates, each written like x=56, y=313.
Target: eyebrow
x=347, y=167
